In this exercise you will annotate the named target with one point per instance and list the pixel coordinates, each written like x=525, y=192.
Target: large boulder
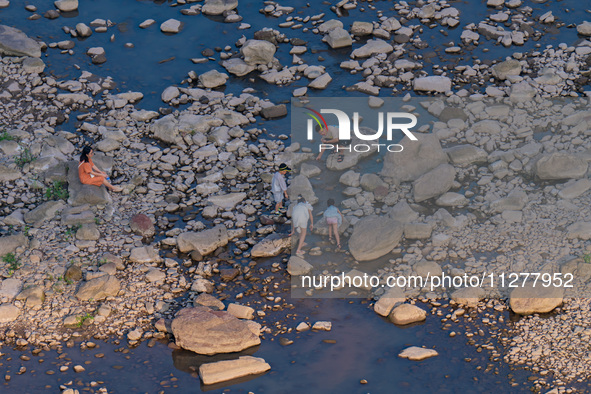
x=8, y=313
x=98, y=288
x=14, y=42
x=218, y=7
x=507, y=68
x=561, y=165
x=205, y=331
x=417, y=158
x=301, y=186
x=237, y=66
x=213, y=79
x=66, y=5
x=407, y=314
x=43, y=212
x=10, y=243
x=258, y=52
x=434, y=183
x=372, y=47
x=272, y=245
x=374, y=237
x=205, y=241
x=298, y=266
x=339, y=38
x=81, y=194
x=222, y=371
x=527, y=300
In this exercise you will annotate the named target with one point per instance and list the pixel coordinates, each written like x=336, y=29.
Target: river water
x=365, y=345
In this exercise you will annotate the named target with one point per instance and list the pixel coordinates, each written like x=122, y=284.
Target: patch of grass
x=66, y=280
x=26, y=230
x=587, y=258
x=12, y=262
x=71, y=232
x=81, y=319
x=4, y=136
x=97, y=221
x=57, y=191
x=24, y=158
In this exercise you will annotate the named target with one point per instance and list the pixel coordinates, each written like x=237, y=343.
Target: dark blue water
x=366, y=346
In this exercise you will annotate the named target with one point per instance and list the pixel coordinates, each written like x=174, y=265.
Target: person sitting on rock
x=90, y=174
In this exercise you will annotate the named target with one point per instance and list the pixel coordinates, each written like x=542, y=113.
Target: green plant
x=26, y=230
x=24, y=157
x=12, y=262
x=70, y=232
x=4, y=136
x=587, y=258
x=66, y=280
x=97, y=221
x=57, y=191
x=81, y=319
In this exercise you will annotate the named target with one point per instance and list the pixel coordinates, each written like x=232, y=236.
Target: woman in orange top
x=90, y=174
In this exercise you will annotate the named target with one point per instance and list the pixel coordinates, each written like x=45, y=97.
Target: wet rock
x=584, y=29
x=374, y=237
x=437, y=84
x=213, y=79
x=258, y=52
x=144, y=254
x=417, y=158
x=238, y=67
x=415, y=353
x=172, y=26
x=407, y=314
x=98, y=288
x=298, y=266
x=528, y=300
x=373, y=47
x=170, y=93
x=272, y=245
x=209, y=301
x=218, y=7
x=507, y=68
x=392, y=297
x=142, y=225
x=275, y=111
x=209, y=332
x=222, y=371
x=14, y=42
x=339, y=38
x=560, y=165
x=8, y=313
x=241, y=311
x=83, y=30
x=134, y=335
x=205, y=241
x=434, y=183
x=321, y=82
x=66, y=5
x=9, y=244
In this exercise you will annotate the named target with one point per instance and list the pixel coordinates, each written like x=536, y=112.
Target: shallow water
x=366, y=345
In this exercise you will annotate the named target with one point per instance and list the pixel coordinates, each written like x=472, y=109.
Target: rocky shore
x=499, y=182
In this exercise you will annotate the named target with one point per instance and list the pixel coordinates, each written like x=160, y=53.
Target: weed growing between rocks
x=57, y=191
x=12, y=262
x=24, y=158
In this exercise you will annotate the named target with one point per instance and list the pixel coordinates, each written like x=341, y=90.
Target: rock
x=43, y=212
x=73, y=273
x=8, y=313
x=464, y=155
x=170, y=93
x=407, y=314
x=142, y=225
x=417, y=230
x=468, y=296
x=33, y=295
x=403, y=213
x=339, y=38
x=329, y=25
x=580, y=230
x=33, y=65
x=134, y=335
x=529, y=300
x=515, y=201
x=275, y=111
x=84, y=194
x=392, y=297
x=451, y=199
x=417, y=158
x=258, y=52
x=434, y=183
x=66, y=5
x=361, y=28
x=371, y=182
x=10, y=288
x=310, y=170
x=209, y=332
x=374, y=237
x=297, y=266
x=303, y=326
x=272, y=245
x=373, y=47
x=507, y=68
x=210, y=301
x=204, y=242
x=301, y=186
x=522, y=92
x=415, y=353
x=171, y=129
x=227, y=201
x=88, y=232
x=241, y=311
x=213, y=79
x=487, y=127
x=218, y=7
x=321, y=82
x=575, y=189
x=98, y=288
x=9, y=174
x=4, y=3
x=222, y=371
x=437, y=84
x=237, y=67
x=201, y=285
x=14, y=42
x=322, y=326
x=561, y=165
x=83, y=30
x=154, y=275
x=172, y=26
x=147, y=23
x=144, y=255
x=584, y=29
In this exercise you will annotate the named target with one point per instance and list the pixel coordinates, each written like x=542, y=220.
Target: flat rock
x=298, y=266
x=218, y=7
x=144, y=254
x=580, y=230
x=415, y=353
x=241, y=311
x=258, y=52
x=529, y=300
x=339, y=38
x=8, y=313
x=222, y=371
x=10, y=288
x=209, y=332
x=468, y=296
x=464, y=155
x=507, y=68
x=417, y=158
x=210, y=301
x=13, y=42
x=575, y=189
x=238, y=67
x=561, y=165
x=392, y=297
x=213, y=79
x=44, y=212
x=584, y=29
x=407, y=314
x=171, y=26
x=434, y=183
x=372, y=47
x=205, y=241
x=141, y=224
x=98, y=288
x=66, y=5
x=84, y=194
x=272, y=245
x=374, y=237
x=437, y=84
x=9, y=244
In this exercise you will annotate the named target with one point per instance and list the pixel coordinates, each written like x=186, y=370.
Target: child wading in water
x=279, y=187
x=333, y=218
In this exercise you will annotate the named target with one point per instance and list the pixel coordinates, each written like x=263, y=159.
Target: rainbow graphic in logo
x=315, y=115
